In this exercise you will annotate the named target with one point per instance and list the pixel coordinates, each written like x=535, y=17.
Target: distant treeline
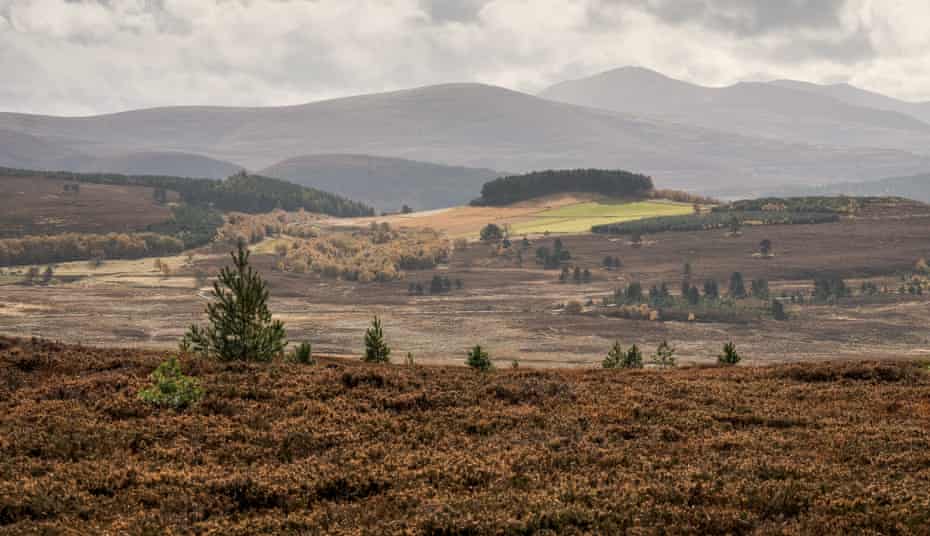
x=714, y=220
x=839, y=204
x=241, y=192
x=515, y=188
x=78, y=246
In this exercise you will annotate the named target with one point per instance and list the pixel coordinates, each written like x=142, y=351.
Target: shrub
x=240, y=326
x=171, y=388
x=303, y=354
x=491, y=233
x=478, y=359
x=778, y=311
x=376, y=350
x=574, y=307
x=729, y=355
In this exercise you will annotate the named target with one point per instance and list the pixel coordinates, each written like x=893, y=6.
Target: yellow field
x=557, y=214
x=581, y=217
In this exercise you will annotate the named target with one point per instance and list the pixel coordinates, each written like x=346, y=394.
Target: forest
x=515, y=188
x=714, y=220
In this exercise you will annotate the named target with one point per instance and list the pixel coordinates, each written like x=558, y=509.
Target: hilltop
x=385, y=183
x=782, y=110
x=470, y=125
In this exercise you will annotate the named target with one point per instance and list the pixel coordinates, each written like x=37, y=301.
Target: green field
x=581, y=217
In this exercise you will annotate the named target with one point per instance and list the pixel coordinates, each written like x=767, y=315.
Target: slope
x=385, y=183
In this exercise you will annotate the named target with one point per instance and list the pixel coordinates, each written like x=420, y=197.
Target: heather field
x=345, y=448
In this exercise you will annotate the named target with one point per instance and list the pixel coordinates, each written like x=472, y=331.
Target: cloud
x=92, y=56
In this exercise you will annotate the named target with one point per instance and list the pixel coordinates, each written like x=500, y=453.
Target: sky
x=80, y=57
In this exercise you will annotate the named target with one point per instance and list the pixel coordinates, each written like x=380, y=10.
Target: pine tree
x=778, y=310
x=665, y=355
x=240, y=326
x=633, y=358
x=478, y=359
x=614, y=357
x=729, y=355
x=737, y=286
x=376, y=350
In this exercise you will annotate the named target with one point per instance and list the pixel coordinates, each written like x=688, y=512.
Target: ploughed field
x=345, y=448
x=41, y=206
x=513, y=311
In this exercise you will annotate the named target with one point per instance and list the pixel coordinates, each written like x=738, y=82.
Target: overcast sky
x=94, y=56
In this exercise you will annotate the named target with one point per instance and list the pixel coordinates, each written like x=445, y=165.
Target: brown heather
x=345, y=448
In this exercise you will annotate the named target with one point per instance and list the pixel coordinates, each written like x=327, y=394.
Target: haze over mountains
x=385, y=183
x=758, y=135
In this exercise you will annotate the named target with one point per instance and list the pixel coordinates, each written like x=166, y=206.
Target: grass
x=579, y=218
x=347, y=448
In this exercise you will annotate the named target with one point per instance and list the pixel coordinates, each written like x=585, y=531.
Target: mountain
x=861, y=97
x=915, y=187
x=781, y=110
x=478, y=126
x=167, y=163
x=385, y=183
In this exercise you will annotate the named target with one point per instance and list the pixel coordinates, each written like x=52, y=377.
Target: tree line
x=514, y=188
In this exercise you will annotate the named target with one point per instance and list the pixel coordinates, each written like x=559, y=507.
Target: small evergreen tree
x=729, y=355
x=614, y=357
x=633, y=358
x=737, y=286
x=376, y=350
x=765, y=247
x=478, y=359
x=576, y=276
x=778, y=310
x=240, y=325
x=711, y=289
x=665, y=355
x=760, y=289
x=586, y=275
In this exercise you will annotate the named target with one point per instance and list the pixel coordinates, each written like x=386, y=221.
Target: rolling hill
x=916, y=187
x=861, y=97
x=782, y=110
x=385, y=183
x=472, y=125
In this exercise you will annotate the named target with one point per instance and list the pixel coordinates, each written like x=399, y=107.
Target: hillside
x=861, y=97
x=347, y=448
x=780, y=111
x=385, y=183
x=916, y=187
x=165, y=163
x=471, y=125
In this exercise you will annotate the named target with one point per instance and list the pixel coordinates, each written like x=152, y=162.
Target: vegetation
x=613, y=183
x=379, y=253
x=240, y=327
x=376, y=350
x=817, y=204
x=714, y=220
x=303, y=354
x=664, y=356
x=74, y=246
x=729, y=355
x=580, y=217
x=241, y=192
x=342, y=450
x=171, y=388
x=491, y=233
x=193, y=225
x=478, y=359
x=618, y=358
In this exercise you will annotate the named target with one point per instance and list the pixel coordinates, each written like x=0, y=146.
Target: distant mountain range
x=784, y=110
x=385, y=183
x=435, y=145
